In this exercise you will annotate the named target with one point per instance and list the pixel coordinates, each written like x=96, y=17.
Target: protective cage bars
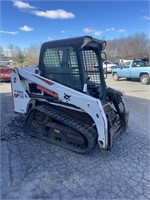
x=61, y=66
x=91, y=65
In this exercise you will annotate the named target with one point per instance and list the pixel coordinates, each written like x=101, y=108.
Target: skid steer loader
x=65, y=99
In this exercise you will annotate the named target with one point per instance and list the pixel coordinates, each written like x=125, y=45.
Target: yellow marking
x=56, y=131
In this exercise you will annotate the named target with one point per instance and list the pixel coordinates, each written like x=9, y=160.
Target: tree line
x=22, y=57
x=133, y=46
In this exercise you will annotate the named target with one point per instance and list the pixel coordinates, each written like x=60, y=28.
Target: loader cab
x=75, y=63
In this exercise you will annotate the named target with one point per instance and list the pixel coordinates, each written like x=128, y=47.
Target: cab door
x=136, y=68
x=125, y=70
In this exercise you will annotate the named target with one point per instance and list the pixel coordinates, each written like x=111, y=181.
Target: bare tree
x=13, y=52
x=28, y=56
x=32, y=55
x=1, y=51
x=133, y=46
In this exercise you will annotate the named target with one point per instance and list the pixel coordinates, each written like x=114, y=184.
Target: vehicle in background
x=5, y=70
x=144, y=61
x=133, y=69
x=116, y=63
x=108, y=66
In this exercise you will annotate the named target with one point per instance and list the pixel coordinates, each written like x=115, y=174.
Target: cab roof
x=81, y=41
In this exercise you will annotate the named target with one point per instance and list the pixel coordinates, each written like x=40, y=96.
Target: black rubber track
x=87, y=131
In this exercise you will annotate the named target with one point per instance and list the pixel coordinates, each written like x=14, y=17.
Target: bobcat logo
x=67, y=97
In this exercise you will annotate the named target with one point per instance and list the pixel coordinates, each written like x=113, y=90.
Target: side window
x=138, y=64
x=89, y=58
x=134, y=64
x=126, y=64
x=91, y=66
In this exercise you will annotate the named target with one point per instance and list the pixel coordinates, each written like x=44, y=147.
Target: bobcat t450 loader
x=66, y=100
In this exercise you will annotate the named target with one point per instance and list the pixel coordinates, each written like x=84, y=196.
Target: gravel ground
x=34, y=169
